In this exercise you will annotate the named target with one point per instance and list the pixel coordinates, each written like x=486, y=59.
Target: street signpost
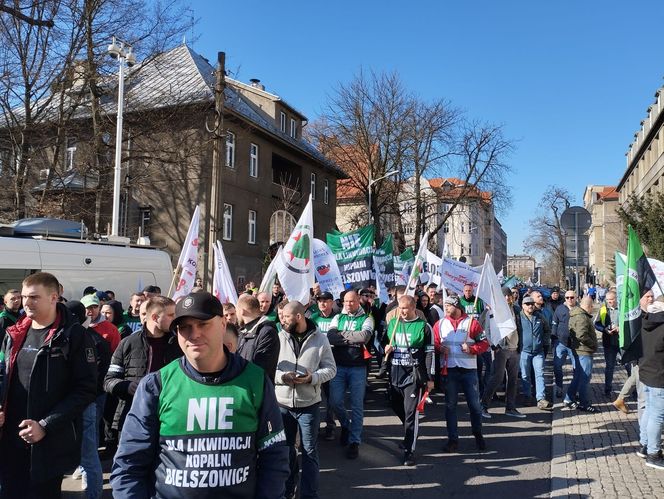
x=576, y=220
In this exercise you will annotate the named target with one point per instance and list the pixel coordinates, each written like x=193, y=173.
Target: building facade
x=606, y=234
x=522, y=266
x=645, y=160
x=267, y=170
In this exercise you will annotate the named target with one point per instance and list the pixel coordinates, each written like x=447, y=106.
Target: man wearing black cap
x=323, y=319
x=210, y=399
x=556, y=300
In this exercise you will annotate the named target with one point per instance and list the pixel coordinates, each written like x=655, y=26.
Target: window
x=445, y=207
x=408, y=229
x=463, y=249
x=326, y=191
x=5, y=156
x=282, y=224
x=463, y=229
x=70, y=153
x=470, y=248
x=228, y=222
x=43, y=173
x=230, y=149
x=293, y=128
x=282, y=121
x=252, y=227
x=446, y=228
x=313, y=186
x=146, y=216
x=253, y=160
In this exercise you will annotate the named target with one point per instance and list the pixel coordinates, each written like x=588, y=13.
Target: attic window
x=293, y=128
x=282, y=121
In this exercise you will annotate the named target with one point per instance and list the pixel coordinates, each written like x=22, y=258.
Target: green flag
x=638, y=279
x=354, y=253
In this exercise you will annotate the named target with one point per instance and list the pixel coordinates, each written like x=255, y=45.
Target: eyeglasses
x=570, y=297
x=528, y=304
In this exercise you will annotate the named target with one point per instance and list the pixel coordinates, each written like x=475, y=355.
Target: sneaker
x=588, y=408
x=485, y=413
x=620, y=405
x=570, y=405
x=353, y=451
x=642, y=452
x=328, y=434
x=655, y=461
x=451, y=446
x=514, y=413
x=428, y=400
x=559, y=392
x=84, y=482
x=345, y=435
x=408, y=459
x=480, y=443
x=544, y=405
x=77, y=474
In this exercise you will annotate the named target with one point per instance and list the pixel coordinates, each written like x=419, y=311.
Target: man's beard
x=291, y=328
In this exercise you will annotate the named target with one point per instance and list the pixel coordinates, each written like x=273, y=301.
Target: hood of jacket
x=576, y=311
x=652, y=321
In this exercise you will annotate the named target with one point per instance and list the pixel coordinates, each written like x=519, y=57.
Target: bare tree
x=364, y=130
x=17, y=12
x=481, y=162
x=546, y=235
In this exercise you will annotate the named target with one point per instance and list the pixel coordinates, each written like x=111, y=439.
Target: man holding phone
x=305, y=363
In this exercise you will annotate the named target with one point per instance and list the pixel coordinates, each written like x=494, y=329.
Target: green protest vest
x=208, y=434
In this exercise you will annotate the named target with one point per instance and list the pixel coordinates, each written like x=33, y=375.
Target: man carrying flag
x=639, y=278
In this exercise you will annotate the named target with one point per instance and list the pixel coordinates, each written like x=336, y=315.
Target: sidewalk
x=594, y=455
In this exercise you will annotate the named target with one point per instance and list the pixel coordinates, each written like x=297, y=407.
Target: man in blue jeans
x=651, y=374
x=560, y=337
x=606, y=322
x=305, y=363
x=349, y=333
x=459, y=339
x=536, y=341
x=583, y=340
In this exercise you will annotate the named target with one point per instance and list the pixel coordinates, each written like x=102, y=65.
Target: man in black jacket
x=141, y=353
x=48, y=376
x=258, y=341
x=651, y=374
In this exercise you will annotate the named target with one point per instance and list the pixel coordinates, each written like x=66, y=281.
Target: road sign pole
x=576, y=249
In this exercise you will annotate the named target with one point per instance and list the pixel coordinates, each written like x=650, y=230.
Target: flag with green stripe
x=638, y=279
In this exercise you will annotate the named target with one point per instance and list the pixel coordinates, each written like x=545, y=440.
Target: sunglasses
x=570, y=297
x=528, y=304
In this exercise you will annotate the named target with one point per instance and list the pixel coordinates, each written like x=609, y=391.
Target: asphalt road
x=516, y=463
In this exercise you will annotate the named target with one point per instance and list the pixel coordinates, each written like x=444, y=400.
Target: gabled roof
x=609, y=193
x=452, y=187
x=180, y=77
x=73, y=181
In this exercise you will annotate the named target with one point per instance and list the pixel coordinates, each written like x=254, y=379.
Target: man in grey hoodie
x=305, y=363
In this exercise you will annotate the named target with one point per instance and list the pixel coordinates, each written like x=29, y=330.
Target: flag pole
x=176, y=273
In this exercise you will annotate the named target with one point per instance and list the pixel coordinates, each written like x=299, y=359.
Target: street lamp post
x=117, y=51
x=372, y=182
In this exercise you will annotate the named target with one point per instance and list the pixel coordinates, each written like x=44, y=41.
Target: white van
x=78, y=264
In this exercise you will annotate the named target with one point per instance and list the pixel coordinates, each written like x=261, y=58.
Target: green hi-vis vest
x=208, y=434
x=351, y=323
x=323, y=323
x=403, y=335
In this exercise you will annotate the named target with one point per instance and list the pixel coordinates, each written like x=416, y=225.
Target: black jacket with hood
x=651, y=365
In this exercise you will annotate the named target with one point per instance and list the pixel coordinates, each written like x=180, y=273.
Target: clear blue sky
x=570, y=80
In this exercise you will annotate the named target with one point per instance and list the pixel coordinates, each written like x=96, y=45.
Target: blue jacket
x=133, y=473
x=536, y=333
x=560, y=324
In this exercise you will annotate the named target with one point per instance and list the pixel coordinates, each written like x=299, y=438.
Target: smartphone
x=300, y=374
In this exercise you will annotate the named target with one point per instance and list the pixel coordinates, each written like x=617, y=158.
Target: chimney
x=256, y=83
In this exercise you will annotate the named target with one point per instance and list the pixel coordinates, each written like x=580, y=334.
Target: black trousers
x=404, y=402
x=15, y=482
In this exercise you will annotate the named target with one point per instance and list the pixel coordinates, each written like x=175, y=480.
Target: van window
x=12, y=279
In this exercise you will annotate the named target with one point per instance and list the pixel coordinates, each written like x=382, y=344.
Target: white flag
x=418, y=265
x=295, y=266
x=270, y=274
x=188, y=259
x=434, y=269
x=500, y=320
x=327, y=270
x=222, y=283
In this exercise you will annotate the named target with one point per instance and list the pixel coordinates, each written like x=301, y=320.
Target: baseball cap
x=325, y=295
x=555, y=289
x=199, y=305
x=527, y=300
x=453, y=300
x=90, y=301
x=102, y=295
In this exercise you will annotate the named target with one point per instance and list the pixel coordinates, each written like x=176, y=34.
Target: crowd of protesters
x=192, y=397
